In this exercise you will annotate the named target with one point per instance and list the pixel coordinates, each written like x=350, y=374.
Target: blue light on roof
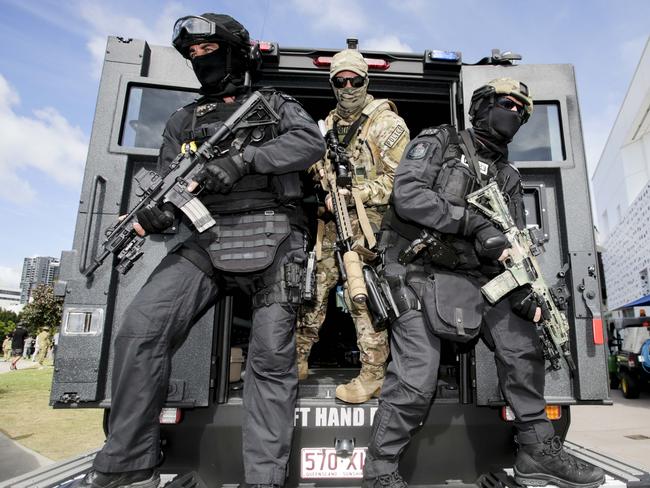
x=444, y=55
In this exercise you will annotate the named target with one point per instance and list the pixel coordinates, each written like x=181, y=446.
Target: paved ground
x=22, y=364
x=612, y=430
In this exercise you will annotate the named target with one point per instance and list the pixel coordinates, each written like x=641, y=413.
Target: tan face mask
x=350, y=99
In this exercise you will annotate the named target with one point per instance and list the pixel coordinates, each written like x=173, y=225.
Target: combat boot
x=392, y=480
x=144, y=478
x=362, y=388
x=548, y=462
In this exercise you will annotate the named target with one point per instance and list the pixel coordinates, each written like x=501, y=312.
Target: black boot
x=548, y=462
x=392, y=480
x=144, y=478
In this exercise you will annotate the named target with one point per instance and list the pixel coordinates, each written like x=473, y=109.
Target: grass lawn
x=26, y=417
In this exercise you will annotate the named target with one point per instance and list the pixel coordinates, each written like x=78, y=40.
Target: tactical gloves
x=523, y=303
x=220, y=174
x=155, y=220
x=488, y=240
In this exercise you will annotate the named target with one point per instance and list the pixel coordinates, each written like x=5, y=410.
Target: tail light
x=553, y=412
x=170, y=416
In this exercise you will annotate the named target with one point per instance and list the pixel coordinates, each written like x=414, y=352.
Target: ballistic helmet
x=500, y=87
x=220, y=28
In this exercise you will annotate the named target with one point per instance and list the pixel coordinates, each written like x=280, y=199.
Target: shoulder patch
x=394, y=136
x=430, y=131
x=303, y=114
x=418, y=150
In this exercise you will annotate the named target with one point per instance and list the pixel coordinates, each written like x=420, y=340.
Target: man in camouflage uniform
x=374, y=137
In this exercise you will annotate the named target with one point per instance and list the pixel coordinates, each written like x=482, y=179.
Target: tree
x=45, y=310
x=8, y=321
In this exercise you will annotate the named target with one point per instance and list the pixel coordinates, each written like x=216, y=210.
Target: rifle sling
x=469, y=150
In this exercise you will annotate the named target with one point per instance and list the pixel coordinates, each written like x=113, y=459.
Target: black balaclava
x=495, y=126
x=216, y=76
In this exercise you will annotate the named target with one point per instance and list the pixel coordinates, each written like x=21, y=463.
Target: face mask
x=350, y=99
x=210, y=69
x=504, y=123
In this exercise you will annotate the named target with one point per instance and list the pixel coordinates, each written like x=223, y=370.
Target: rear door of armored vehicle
x=141, y=86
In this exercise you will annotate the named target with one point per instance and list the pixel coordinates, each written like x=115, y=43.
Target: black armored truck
x=467, y=436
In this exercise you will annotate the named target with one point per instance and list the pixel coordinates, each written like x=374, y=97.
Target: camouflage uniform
x=43, y=342
x=374, y=152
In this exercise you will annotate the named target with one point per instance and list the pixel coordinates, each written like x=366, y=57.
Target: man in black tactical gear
x=253, y=192
x=438, y=170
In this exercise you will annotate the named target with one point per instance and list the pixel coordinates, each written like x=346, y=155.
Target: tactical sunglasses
x=341, y=81
x=192, y=25
x=508, y=104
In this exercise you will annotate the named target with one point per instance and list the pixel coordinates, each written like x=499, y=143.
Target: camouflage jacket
x=375, y=150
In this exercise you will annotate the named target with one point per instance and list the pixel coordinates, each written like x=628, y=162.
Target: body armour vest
x=455, y=180
x=252, y=191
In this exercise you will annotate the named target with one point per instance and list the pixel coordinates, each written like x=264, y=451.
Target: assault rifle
x=522, y=268
x=336, y=167
x=155, y=189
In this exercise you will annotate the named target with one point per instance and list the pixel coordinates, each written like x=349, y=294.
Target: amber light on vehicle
x=553, y=412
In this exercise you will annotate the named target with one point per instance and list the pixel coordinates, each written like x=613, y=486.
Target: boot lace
x=392, y=480
x=554, y=448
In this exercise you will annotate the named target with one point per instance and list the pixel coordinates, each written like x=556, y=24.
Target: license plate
x=323, y=462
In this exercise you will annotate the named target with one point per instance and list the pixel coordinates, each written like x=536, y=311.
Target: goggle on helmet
x=194, y=29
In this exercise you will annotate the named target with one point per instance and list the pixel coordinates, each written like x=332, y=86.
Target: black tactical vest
x=253, y=191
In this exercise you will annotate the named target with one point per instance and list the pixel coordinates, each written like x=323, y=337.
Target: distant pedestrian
x=6, y=348
x=43, y=345
x=55, y=344
x=29, y=345
x=18, y=344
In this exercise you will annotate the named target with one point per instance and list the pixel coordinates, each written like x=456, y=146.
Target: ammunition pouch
x=289, y=290
x=452, y=303
x=245, y=243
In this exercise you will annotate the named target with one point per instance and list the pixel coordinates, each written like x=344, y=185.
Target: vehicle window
x=541, y=138
x=147, y=111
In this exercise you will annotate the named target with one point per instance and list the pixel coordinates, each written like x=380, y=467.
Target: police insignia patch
x=418, y=151
x=301, y=112
x=394, y=136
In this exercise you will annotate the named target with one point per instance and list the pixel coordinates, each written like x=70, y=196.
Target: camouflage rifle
x=336, y=167
x=154, y=189
x=522, y=269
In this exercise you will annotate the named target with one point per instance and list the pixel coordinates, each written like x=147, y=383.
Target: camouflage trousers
x=372, y=345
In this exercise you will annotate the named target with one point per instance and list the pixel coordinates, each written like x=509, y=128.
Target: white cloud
x=10, y=277
x=46, y=141
x=345, y=16
x=104, y=21
x=386, y=43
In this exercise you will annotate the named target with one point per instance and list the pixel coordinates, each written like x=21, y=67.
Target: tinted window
x=147, y=112
x=540, y=139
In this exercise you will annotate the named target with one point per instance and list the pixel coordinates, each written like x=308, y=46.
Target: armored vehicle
x=468, y=433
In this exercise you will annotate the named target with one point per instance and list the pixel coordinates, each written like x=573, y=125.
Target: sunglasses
x=509, y=104
x=341, y=81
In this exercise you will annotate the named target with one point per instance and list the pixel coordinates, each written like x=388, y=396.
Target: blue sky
x=51, y=55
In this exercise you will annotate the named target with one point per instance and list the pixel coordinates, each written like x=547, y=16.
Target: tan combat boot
x=303, y=366
x=362, y=388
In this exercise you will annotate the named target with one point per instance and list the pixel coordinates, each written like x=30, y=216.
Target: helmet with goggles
x=220, y=28
x=500, y=88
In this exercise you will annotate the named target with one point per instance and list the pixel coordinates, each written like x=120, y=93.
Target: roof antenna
x=353, y=43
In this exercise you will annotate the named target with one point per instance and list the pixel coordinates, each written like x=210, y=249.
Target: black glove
x=220, y=174
x=155, y=220
x=523, y=303
x=489, y=241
